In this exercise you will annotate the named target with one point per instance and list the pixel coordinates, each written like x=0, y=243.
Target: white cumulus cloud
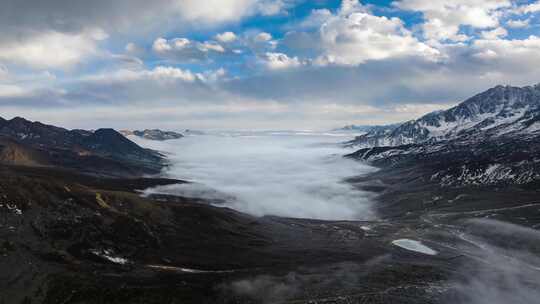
x=518, y=23
x=530, y=8
x=262, y=37
x=183, y=49
x=354, y=36
x=280, y=61
x=496, y=33
x=226, y=37
x=444, y=18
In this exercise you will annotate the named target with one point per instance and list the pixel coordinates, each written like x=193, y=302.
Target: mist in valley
x=504, y=266
x=289, y=174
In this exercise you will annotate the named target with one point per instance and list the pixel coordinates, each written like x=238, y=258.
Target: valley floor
x=69, y=238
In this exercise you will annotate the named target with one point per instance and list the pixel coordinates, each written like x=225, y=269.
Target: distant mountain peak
x=368, y=128
x=19, y=119
x=153, y=134
x=501, y=110
x=109, y=132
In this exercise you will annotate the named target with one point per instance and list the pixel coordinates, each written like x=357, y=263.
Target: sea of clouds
x=290, y=174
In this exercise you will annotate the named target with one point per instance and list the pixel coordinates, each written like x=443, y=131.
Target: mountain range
x=103, y=151
x=492, y=138
x=499, y=111
x=368, y=128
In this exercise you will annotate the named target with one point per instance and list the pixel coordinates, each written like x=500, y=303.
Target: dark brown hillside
x=13, y=153
x=101, y=152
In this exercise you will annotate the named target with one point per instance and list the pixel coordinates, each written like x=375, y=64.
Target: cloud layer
x=269, y=173
x=316, y=65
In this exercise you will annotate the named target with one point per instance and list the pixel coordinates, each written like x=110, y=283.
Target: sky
x=257, y=64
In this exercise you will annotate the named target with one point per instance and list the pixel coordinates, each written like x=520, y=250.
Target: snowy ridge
x=490, y=139
x=499, y=111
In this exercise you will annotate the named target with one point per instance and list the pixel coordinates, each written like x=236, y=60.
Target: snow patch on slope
x=108, y=255
x=415, y=246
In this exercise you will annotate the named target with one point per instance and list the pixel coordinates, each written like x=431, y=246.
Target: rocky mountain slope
x=153, y=134
x=490, y=139
x=103, y=151
x=498, y=111
x=493, y=161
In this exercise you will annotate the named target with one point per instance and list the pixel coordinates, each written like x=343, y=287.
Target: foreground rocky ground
x=70, y=238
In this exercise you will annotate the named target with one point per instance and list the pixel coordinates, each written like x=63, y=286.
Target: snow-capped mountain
x=368, y=128
x=498, y=111
x=492, y=138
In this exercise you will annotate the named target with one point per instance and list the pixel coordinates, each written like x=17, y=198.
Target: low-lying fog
x=291, y=174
